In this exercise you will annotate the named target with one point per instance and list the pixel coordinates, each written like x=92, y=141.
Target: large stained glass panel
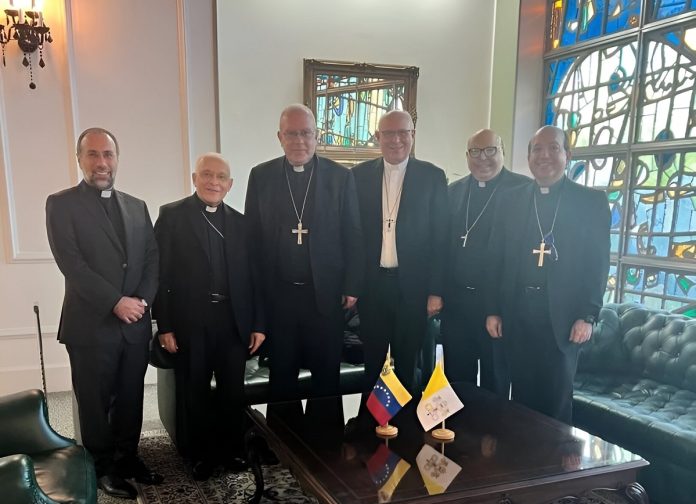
x=658, y=288
x=589, y=95
x=662, y=212
x=667, y=108
x=609, y=174
x=574, y=21
x=667, y=8
x=349, y=107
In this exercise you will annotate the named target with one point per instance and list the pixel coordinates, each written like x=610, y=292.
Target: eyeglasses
x=302, y=134
x=392, y=134
x=490, y=151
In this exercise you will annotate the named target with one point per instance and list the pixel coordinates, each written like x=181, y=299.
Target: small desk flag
x=437, y=471
x=439, y=400
x=386, y=469
x=388, y=395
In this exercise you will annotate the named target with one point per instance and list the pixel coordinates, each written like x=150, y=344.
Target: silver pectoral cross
x=299, y=231
x=542, y=250
x=464, y=239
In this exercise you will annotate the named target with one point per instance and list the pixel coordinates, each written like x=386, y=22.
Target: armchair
x=38, y=465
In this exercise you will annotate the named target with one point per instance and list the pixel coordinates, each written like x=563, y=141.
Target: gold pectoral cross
x=299, y=231
x=542, y=250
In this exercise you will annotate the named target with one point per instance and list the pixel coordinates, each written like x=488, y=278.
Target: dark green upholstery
x=636, y=387
x=38, y=465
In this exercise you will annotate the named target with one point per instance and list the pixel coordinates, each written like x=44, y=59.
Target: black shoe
x=236, y=464
x=116, y=486
x=202, y=470
x=135, y=468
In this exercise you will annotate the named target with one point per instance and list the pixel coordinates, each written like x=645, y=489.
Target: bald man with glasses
x=469, y=350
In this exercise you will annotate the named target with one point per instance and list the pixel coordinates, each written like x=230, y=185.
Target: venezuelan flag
x=388, y=395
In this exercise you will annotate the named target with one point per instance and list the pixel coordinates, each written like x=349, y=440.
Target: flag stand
x=442, y=433
x=386, y=430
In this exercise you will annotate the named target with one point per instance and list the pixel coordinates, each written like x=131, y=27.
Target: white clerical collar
x=400, y=167
x=106, y=193
x=298, y=169
x=211, y=209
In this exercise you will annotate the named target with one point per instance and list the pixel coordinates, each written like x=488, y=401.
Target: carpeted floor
x=179, y=488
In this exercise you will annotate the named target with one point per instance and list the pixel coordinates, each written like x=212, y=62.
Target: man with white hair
x=209, y=313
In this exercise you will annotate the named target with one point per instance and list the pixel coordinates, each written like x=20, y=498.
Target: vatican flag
x=439, y=400
x=437, y=471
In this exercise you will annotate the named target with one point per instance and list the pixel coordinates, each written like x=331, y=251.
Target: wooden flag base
x=386, y=430
x=443, y=434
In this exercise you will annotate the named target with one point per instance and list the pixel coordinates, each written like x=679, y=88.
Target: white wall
x=262, y=44
x=121, y=65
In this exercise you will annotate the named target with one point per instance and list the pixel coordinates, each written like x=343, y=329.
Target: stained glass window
x=628, y=102
x=348, y=100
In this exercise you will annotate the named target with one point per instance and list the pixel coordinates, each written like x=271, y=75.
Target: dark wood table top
x=501, y=451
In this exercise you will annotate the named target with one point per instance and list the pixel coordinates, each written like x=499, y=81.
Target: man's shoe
x=236, y=464
x=202, y=470
x=116, y=486
x=144, y=475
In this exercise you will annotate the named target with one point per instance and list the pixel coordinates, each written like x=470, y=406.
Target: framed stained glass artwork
x=348, y=100
x=662, y=9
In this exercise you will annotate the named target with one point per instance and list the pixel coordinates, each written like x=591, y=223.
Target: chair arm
x=18, y=482
x=25, y=427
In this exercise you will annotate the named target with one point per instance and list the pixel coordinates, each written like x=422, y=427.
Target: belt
x=218, y=298
x=389, y=271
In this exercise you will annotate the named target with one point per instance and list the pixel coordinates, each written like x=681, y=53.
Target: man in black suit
x=103, y=243
x=305, y=225
x=403, y=207
x=208, y=312
x=549, y=263
x=469, y=350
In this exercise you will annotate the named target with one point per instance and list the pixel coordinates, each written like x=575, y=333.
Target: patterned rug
x=223, y=487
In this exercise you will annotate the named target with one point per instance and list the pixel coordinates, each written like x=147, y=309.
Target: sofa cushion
x=66, y=475
x=639, y=412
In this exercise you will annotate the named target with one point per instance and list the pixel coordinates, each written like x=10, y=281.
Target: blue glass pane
x=668, y=8
x=659, y=288
x=576, y=21
x=590, y=95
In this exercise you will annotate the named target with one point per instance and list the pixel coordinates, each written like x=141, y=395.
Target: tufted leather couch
x=636, y=387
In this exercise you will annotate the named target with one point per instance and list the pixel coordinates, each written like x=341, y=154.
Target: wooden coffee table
x=503, y=453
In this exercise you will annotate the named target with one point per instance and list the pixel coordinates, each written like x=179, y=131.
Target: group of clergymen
x=516, y=268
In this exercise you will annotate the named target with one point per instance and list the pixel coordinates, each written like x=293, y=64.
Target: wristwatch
x=590, y=319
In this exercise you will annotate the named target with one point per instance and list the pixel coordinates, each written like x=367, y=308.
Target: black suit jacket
x=457, y=193
x=98, y=270
x=335, y=237
x=421, y=226
x=185, y=271
x=576, y=282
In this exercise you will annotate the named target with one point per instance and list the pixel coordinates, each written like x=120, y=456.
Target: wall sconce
x=24, y=23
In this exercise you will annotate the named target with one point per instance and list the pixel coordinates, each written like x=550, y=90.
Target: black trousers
x=108, y=381
x=542, y=374
x=303, y=337
x=210, y=424
x=469, y=349
x=386, y=319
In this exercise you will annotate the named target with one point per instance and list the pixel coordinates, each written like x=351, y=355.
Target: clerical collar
x=400, y=167
x=482, y=184
x=300, y=169
x=102, y=193
x=553, y=188
x=204, y=206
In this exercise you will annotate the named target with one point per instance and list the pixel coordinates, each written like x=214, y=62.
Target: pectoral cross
x=464, y=238
x=542, y=250
x=389, y=223
x=299, y=232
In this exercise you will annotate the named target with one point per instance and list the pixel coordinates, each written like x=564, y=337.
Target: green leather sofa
x=636, y=387
x=38, y=465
